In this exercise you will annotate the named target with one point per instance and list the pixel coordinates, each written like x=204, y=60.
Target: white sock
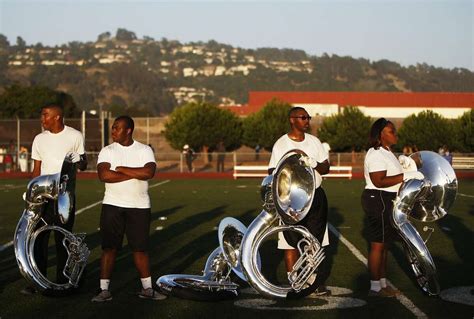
x=104, y=284
x=375, y=285
x=146, y=282
x=383, y=282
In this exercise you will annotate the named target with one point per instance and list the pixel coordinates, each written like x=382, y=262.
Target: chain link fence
x=16, y=138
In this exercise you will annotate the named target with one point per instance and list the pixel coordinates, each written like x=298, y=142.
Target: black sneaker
x=152, y=294
x=102, y=296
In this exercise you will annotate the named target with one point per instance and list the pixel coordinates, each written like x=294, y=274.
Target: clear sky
x=439, y=33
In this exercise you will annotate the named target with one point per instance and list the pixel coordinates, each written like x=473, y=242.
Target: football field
x=183, y=232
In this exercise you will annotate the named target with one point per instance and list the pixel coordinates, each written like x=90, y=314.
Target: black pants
x=315, y=222
x=41, y=244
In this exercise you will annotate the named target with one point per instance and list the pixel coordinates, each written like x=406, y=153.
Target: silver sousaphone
x=287, y=196
x=39, y=190
x=424, y=200
x=215, y=283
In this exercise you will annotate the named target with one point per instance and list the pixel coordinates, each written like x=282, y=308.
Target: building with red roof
x=374, y=104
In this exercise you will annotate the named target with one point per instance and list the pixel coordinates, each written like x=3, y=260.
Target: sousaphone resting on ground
x=424, y=200
x=287, y=195
x=39, y=190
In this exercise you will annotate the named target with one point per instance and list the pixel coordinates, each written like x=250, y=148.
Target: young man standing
x=49, y=150
x=316, y=220
x=125, y=166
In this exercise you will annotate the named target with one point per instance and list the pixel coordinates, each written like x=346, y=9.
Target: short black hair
x=375, y=131
x=294, y=109
x=54, y=105
x=127, y=120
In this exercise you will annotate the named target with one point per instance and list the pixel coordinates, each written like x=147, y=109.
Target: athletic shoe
x=28, y=290
x=322, y=291
x=152, y=294
x=102, y=296
x=381, y=293
x=392, y=290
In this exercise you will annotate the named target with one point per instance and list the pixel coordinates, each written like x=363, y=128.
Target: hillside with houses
x=148, y=76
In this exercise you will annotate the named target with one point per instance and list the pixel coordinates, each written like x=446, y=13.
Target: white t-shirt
x=381, y=160
x=50, y=148
x=132, y=193
x=310, y=145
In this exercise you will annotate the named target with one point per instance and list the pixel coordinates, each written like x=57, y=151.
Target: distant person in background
x=189, y=156
x=23, y=159
x=220, y=149
x=447, y=155
x=7, y=161
x=3, y=151
x=257, y=152
x=49, y=150
x=384, y=174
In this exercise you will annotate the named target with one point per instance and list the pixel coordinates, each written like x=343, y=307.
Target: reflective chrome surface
x=213, y=285
x=439, y=191
x=293, y=188
x=289, y=191
x=265, y=225
x=39, y=190
x=231, y=232
x=427, y=200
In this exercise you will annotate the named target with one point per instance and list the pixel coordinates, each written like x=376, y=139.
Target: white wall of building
x=379, y=111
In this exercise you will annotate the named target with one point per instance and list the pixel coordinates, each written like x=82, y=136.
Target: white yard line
x=402, y=298
x=9, y=187
x=465, y=195
x=5, y=246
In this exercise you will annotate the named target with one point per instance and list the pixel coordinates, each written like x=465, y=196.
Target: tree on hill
x=428, y=131
x=4, y=44
x=267, y=125
x=26, y=102
x=465, y=132
x=202, y=126
x=346, y=131
x=125, y=35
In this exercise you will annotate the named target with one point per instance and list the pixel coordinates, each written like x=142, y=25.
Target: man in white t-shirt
x=125, y=166
x=49, y=150
x=316, y=220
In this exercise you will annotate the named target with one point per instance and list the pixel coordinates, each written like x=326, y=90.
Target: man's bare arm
x=107, y=175
x=142, y=173
x=36, y=168
x=323, y=168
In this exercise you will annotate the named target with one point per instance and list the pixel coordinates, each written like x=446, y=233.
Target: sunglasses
x=304, y=117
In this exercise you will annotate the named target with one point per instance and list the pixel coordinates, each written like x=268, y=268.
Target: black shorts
x=378, y=207
x=116, y=221
x=315, y=221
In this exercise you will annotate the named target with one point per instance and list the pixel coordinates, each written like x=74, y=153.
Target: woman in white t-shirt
x=383, y=176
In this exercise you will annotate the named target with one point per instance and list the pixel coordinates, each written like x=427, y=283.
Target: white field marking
x=159, y=183
x=5, y=246
x=466, y=195
x=8, y=187
x=462, y=295
x=402, y=298
x=337, y=300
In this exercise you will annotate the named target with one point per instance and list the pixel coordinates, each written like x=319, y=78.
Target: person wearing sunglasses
x=298, y=138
